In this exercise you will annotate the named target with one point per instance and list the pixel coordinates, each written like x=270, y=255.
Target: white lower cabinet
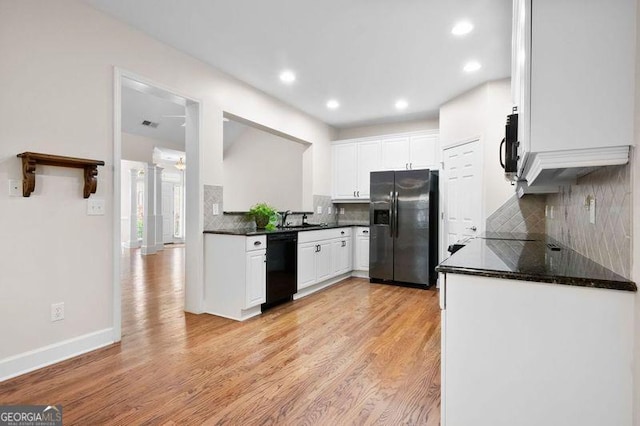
x=342, y=256
x=235, y=274
x=323, y=255
x=530, y=353
x=256, y=274
x=361, y=252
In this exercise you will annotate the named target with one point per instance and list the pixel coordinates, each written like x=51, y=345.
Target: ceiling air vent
x=149, y=124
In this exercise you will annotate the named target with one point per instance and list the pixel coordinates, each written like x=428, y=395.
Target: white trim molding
x=565, y=166
x=26, y=362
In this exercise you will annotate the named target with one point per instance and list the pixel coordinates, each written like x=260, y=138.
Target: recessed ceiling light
x=401, y=104
x=287, y=76
x=462, y=28
x=333, y=104
x=472, y=66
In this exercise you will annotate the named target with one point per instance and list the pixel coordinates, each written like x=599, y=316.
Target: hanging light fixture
x=180, y=164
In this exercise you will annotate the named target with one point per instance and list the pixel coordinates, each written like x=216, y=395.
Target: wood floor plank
x=355, y=353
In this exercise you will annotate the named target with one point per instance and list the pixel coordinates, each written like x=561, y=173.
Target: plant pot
x=261, y=221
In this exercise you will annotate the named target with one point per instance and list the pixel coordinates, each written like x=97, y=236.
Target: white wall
x=387, y=128
x=140, y=148
x=57, y=76
x=261, y=167
x=481, y=112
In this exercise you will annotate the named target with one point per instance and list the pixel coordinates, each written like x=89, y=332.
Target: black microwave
x=509, y=149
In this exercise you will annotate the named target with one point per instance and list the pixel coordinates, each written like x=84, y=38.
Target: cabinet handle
x=257, y=243
x=411, y=166
x=319, y=248
x=344, y=244
x=342, y=232
x=358, y=194
x=406, y=166
x=365, y=232
x=354, y=194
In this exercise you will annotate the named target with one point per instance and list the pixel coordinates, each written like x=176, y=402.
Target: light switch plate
x=95, y=207
x=319, y=209
x=592, y=211
x=215, y=209
x=14, y=188
x=329, y=210
x=341, y=210
x=546, y=211
x=551, y=212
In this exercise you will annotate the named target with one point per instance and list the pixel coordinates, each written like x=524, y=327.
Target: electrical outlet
x=319, y=210
x=551, y=215
x=329, y=210
x=546, y=211
x=14, y=188
x=341, y=210
x=215, y=209
x=95, y=207
x=57, y=312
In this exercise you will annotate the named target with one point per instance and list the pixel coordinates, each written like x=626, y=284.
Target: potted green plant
x=262, y=214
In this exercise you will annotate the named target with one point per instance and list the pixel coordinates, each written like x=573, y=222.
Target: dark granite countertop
x=254, y=231
x=528, y=257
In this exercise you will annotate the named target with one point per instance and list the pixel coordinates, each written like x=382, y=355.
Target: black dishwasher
x=282, y=267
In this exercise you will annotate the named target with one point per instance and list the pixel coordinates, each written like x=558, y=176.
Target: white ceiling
x=364, y=53
x=138, y=106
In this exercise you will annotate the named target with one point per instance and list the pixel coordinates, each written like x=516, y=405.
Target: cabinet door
x=256, y=278
x=344, y=170
x=362, y=253
x=424, y=152
x=395, y=154
x=324, y=261
x=368, y=161
x=306, y=264
x=521, y=75
x=341, y=256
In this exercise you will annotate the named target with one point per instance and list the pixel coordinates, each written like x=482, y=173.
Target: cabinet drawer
x=324, y=234
x=257, y=242
x=362, y=231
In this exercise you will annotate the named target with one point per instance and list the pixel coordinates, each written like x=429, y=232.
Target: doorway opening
x=156, y=202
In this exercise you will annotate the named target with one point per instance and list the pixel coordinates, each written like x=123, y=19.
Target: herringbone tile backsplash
x=521, y=215
x=608, y=241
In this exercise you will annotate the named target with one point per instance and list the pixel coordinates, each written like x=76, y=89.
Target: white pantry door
x=462, y=192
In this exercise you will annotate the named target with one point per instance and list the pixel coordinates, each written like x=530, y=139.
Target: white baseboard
x=360, y=274
x=317, y=287
x=26, y=362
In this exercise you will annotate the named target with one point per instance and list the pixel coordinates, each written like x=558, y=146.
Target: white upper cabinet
x=345, y=175
x=354, y=160
x=573, y=84
x=395, y=154
x=423, y=152
x=368, y=161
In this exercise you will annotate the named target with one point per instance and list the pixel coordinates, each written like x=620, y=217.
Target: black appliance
x=282, y=271
x=509, y=147
x=403, y=217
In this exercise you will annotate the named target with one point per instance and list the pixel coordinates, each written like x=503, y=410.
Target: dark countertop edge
x=244, y=213
x=241, y=232
x=572, y=281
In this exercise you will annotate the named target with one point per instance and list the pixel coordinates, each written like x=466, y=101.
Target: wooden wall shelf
x=31, y=159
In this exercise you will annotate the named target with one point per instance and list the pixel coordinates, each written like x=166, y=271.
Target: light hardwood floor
x=356, y=353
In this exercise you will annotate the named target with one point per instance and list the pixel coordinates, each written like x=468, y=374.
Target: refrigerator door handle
x=391, y=214
x=395, y=215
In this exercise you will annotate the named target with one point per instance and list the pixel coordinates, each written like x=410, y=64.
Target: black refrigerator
x=403, y=218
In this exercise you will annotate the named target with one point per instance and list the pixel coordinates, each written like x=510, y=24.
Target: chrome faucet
x=284, y=218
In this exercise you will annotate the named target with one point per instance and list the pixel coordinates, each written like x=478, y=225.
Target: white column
x=149, y=233
x=158, y=191
x=133, y=210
